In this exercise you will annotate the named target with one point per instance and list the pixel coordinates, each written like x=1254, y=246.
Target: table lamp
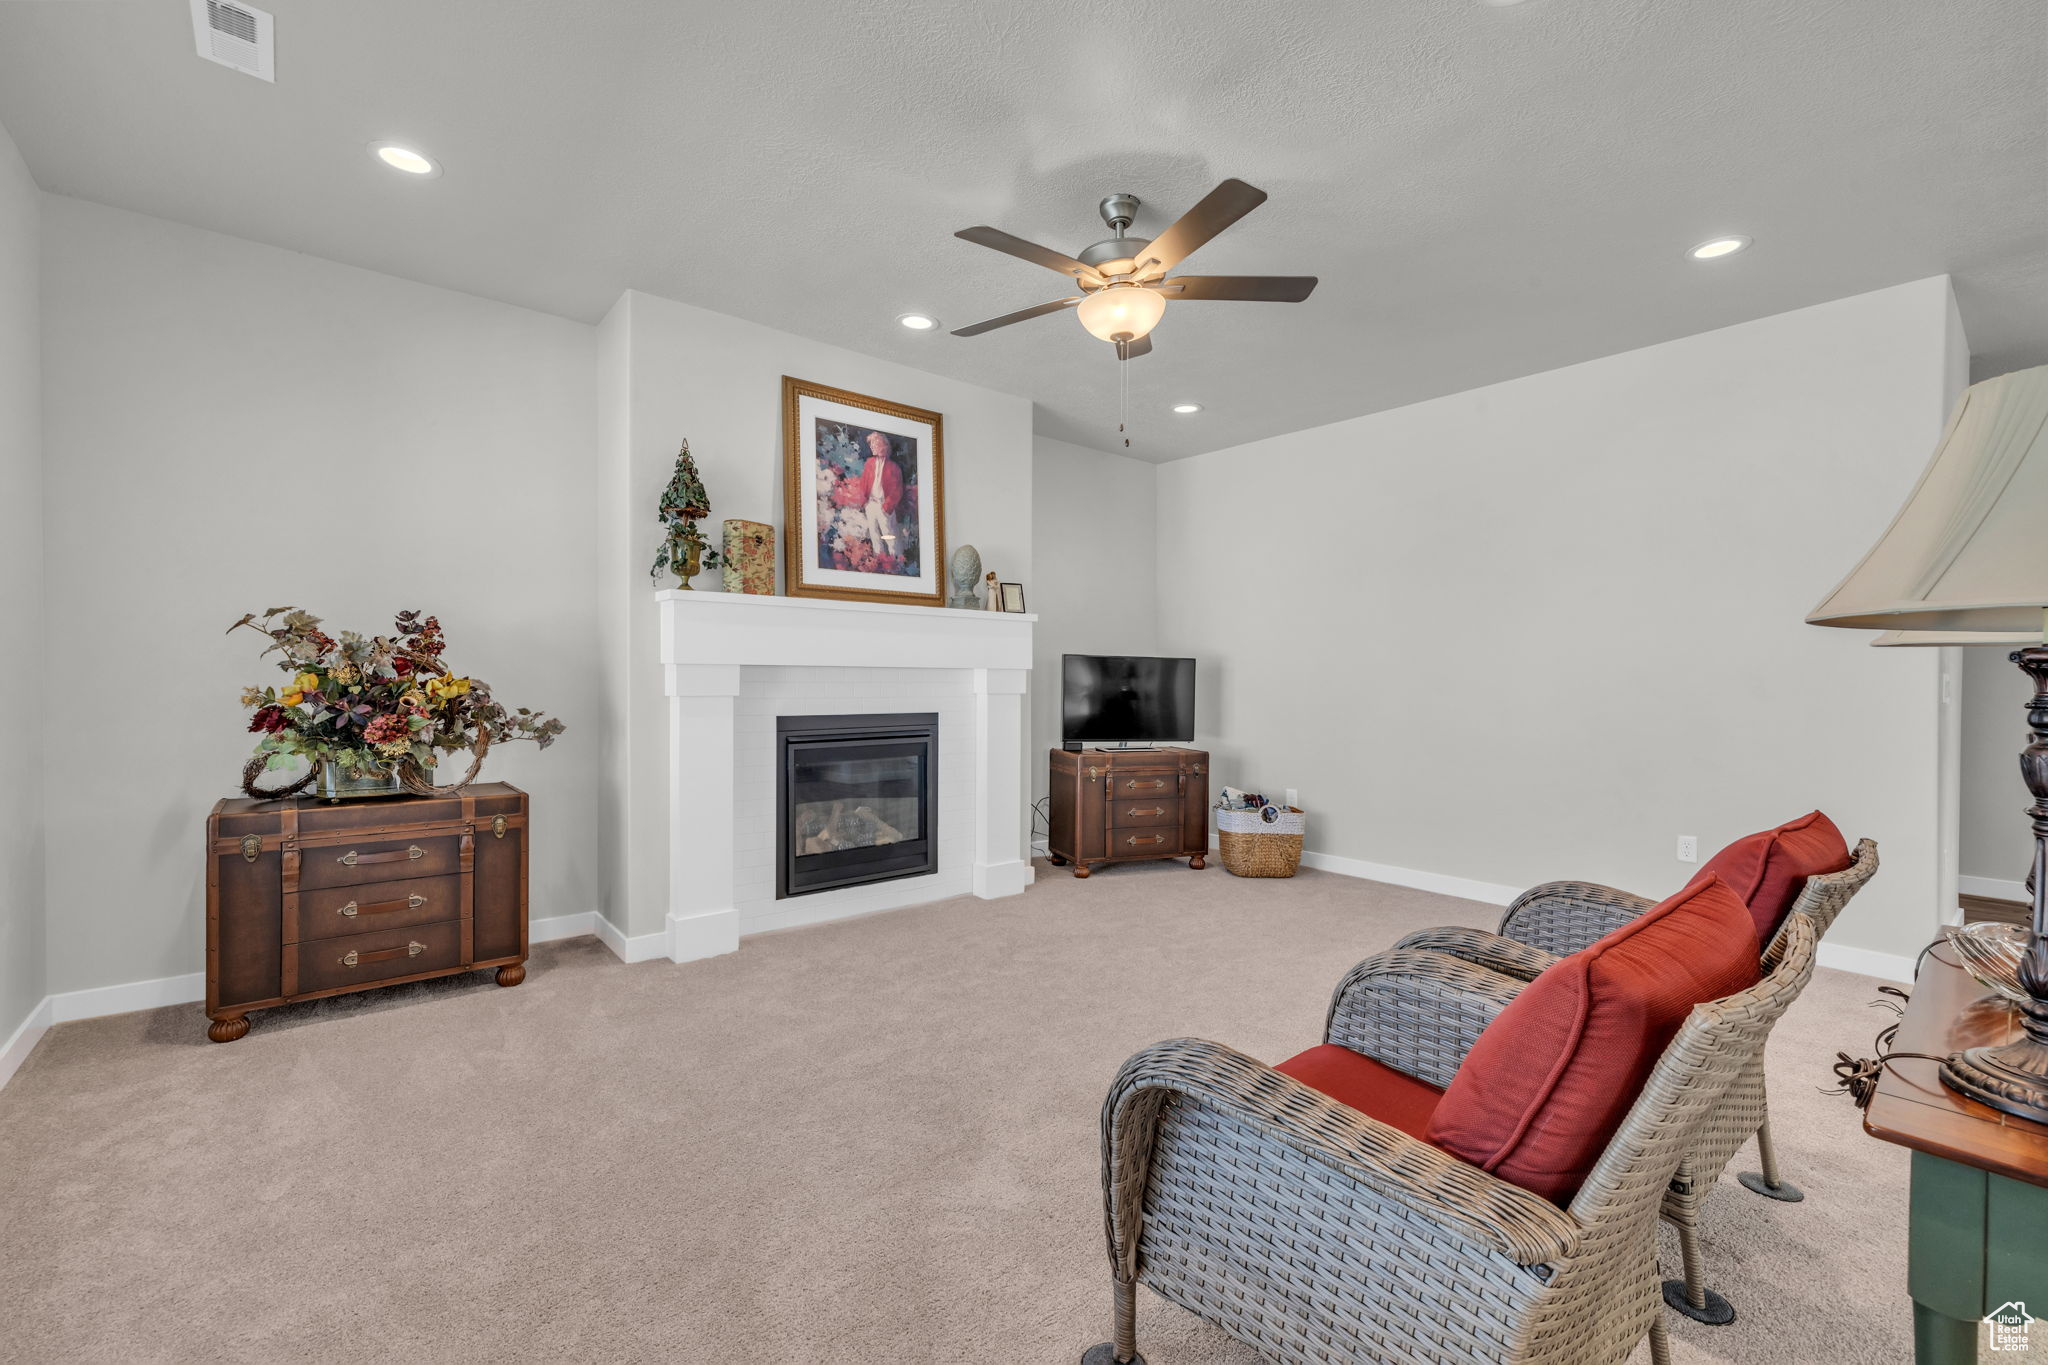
x=1965, y=562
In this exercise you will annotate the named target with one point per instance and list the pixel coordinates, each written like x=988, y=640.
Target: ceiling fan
x=1124, y=289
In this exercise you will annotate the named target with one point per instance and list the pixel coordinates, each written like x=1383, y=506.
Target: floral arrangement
x=683, y=503
x=867, y=506
x=372, y=704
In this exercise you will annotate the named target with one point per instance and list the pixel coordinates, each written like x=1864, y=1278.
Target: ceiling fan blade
x=999, y=240
x=1021, y=315
x=1221, y=207
x=1131, y=350
x=1255, y=288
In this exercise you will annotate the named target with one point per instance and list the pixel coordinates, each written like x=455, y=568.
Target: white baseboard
x=634, y=948
x=24, y=1039
x=690, y=937
x=1840, y=956
x=1866, y=962
x=1492, y=893
x=128, y=997
x=561, y=926
x=1995, y=889
x=67, y=1006
x=992, y=881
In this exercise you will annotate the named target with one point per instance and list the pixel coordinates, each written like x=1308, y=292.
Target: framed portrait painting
x=863, y=489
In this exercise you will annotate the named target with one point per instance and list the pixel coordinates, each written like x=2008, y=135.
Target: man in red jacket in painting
x=878, y=488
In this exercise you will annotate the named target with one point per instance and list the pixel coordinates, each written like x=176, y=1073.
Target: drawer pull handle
x=1156, y=810
x=383, y=907
x=353, y=958
x=1157, y=784
x=1155, y=839
x=351, y=858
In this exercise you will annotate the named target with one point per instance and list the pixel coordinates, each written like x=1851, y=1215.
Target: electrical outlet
x=1292, y=799
x=1688, y=849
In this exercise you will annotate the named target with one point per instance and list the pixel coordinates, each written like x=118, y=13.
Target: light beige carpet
x=873, y=1140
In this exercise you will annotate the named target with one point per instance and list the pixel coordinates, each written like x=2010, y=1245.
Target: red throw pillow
x=1551, y=1078
x=1770, y=869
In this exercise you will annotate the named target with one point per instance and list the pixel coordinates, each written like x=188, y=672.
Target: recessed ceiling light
x=402, y=158
x=1499, y=4
x=918, y=322
x=1186, y=408
x=1714, y=248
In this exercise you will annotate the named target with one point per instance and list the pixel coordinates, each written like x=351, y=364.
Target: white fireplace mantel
x=727, y=656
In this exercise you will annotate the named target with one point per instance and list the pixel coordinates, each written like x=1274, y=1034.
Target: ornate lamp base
x=2011, y=1078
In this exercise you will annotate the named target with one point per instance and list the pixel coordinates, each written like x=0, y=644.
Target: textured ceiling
x=1486, y=192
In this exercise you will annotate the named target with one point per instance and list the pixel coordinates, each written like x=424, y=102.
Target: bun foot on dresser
x=512, y=975
x=1080, y=869
x=1198, y=862
x=228, y=1029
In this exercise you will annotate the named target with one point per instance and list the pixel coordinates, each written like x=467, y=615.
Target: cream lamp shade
x=1966, y=560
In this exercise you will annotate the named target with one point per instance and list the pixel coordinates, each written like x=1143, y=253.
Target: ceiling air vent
x=234, y=34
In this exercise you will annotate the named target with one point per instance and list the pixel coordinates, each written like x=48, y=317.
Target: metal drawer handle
x=1155, y=839
x=1156, y=810
x=381, y=907
x=351, y=858
x=1157, y=784
x=352, y=958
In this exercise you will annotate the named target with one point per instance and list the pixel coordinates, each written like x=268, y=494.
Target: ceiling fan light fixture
x=1121, y=310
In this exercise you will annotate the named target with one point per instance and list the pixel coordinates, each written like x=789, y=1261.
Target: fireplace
x=854, y=800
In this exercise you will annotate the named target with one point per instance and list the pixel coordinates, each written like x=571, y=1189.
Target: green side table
x=1978, y=1237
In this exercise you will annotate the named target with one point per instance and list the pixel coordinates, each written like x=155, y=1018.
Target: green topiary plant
x=684, y=551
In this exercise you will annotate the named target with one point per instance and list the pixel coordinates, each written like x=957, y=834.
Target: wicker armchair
x=1314, y=1233
x=1559, y=918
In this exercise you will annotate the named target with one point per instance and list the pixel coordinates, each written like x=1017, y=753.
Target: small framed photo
x=1013, y=596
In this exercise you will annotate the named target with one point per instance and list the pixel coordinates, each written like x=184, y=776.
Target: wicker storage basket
x=1253, y=846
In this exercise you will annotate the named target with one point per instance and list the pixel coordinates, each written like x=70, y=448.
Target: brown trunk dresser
x=305, y=899
x=1126, y=805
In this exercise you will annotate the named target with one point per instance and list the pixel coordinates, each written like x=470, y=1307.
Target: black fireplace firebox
x=854, y=800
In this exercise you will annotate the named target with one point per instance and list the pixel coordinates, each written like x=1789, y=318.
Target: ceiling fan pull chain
x=1123, y=411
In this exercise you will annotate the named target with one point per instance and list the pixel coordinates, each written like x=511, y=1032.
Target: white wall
x=1998, y=840
x=1541, y=629
x=21, y=584
x=231, y=427
x=672, y=371
x=1096, y=585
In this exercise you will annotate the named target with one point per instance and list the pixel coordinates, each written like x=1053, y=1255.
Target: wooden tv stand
x=1128, y=805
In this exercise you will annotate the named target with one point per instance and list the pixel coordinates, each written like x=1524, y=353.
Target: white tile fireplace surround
x=733, y=663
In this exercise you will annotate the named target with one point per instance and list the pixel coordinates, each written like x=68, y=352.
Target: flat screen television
x=1125, y=699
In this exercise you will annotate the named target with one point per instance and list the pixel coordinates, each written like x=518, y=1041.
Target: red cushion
x=1770, y=869
x=1395, y=1099
x=1552, y=1077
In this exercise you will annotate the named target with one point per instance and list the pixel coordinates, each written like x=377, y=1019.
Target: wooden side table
x=1979, y=1203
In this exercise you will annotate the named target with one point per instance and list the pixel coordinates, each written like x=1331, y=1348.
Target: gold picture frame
x=864, y=497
